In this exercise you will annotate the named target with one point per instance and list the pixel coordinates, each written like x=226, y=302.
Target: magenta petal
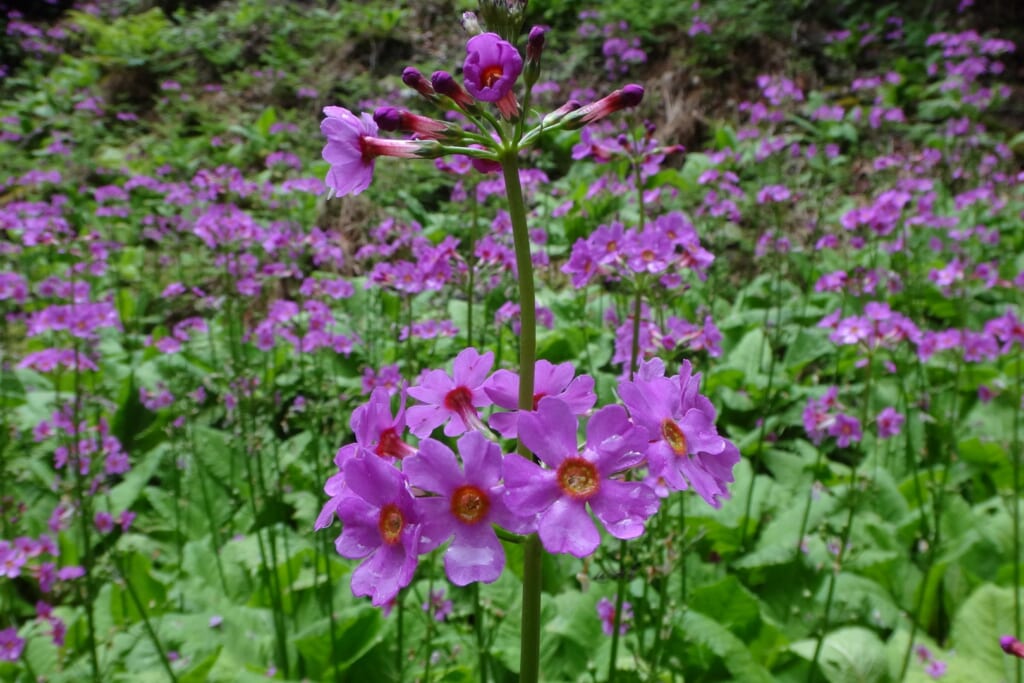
x=579, y=394
x=506, y=424
x=471, y=367
x=374, y=480
x=638, y=400
x=326, y=516
x=709, y=488
x=662, y=462
x=549, y=432
x=438, y=524
x=514, y=519
x=567, y=528
x=529, y=489
x=474, y=555
x=422, y=420
x=481, y=460
x=700, y=432
x=433, y=468
x=503, y=389
x=433, y=387
x=384, y=573
x=623, y=507
x=360, y=534
x=552, y=379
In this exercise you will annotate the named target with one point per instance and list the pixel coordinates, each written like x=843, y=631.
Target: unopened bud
x=388, y=118
x=470, y=24
x=560, y=113
x=629, y=96
x=445, y=84
x=1012, y=646
x=504, y=17
x=535, y=43
x=391, y=119
x=412, y=77
x=534, y=49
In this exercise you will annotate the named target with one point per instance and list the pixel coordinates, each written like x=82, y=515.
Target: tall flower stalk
x=398, y=501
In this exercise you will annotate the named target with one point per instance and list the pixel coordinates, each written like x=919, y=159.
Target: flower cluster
x=491, y=71
x=397, y=501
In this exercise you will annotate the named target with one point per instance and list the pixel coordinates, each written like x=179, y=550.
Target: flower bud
x=1012, y=646
x=388, y=118
x=412, y=77
x=535, y=43
x=560, y=113
x=629, y=96
x=445, y=84
x=392, y=119
x=534, y=49
x=470, y=24
x=504, y=17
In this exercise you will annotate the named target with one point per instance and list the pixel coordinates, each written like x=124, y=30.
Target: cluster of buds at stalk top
x=491, y=70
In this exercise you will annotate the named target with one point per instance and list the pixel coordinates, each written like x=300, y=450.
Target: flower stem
x=529, y=654
x=1016, y=512
x=847, y=529
x=150, y=631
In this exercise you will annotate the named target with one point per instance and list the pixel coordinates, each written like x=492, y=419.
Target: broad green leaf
x=848, y=655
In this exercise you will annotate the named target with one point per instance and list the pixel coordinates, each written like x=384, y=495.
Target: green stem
x=620, y=587
x=768, y=397
x=471, y=262
x=1016, y=512
x=478, y=629
x=529, y=654
x=146, y=623
x=845, y=536
x=84, y=516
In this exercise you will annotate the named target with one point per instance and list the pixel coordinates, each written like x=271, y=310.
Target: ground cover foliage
x=820, y=211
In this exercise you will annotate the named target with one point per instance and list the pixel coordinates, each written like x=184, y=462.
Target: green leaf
x=982, y=620
x=706, y=631
x=848, y=655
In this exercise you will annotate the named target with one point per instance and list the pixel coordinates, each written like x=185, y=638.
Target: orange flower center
x=390, y=523
x=674, y=436
x=578, y=478
x=470, y=504
x=491, y=75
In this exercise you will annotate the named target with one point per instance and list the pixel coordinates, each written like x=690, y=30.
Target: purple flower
x=351, y=149
x=454, y=399
x=464, y=507
x=606, y=612
x=437, y=605
x=351, y=170
x=10, y=645
x=889, y=422
x=578, y=479
x=549, y=380
x=846, y=429
x=491, y=68
x=381, y=524
x=377, y=433
x=685, y=445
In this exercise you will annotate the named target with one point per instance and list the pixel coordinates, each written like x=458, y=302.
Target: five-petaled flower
x=685, y=447
x=382, y=524
x=577, y=479
x=466, y=504
x=491, y=68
